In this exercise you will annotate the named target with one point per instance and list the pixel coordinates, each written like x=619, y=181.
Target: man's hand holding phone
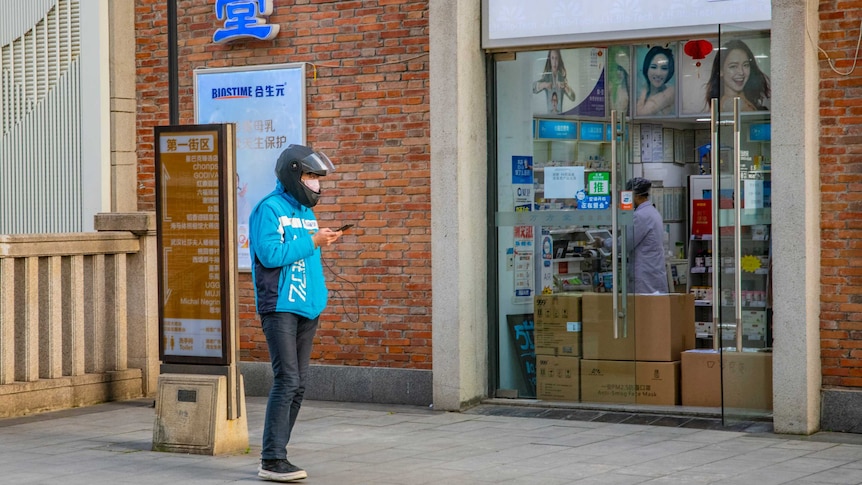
x=325, y=237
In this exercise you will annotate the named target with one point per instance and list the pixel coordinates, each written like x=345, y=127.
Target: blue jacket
x=285, y=266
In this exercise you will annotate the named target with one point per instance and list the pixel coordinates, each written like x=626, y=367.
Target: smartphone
x=344, y=227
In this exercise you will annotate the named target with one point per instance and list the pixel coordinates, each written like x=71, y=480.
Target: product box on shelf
x=557, y=320
x=558, y=378
x=701, y=217
x=703, y=329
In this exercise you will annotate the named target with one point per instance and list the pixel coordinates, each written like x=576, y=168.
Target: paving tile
x=353, y=444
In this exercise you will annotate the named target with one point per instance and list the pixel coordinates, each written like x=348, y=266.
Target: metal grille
x=40, y=120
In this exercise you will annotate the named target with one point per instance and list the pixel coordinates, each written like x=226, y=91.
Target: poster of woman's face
x=656, y=80
x=738, y=67
x=619, y=78
x=568, y=82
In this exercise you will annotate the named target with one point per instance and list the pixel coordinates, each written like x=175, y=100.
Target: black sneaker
x=280, y=471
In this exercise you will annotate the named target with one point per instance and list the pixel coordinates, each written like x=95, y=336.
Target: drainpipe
x=173, y=70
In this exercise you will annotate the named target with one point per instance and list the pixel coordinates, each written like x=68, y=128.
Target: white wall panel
x=42, y=171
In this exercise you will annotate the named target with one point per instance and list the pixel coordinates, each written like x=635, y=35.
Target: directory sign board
x=196, y=227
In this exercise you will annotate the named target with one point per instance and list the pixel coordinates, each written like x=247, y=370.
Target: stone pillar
x=141, y=293
x=459, y=237
x=124, y=168
x=795, y=217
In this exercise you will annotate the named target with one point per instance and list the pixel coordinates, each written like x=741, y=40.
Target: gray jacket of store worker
x=645, y=243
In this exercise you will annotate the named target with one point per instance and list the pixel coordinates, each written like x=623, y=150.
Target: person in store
x=644, y=242
x=554, y=82
x=290, y=293
x=735, y=73
x=658, y=97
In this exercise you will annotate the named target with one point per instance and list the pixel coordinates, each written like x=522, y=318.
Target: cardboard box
x=658, y=328
x=664, y=325
x=657, y=383
x=747, y=379
x=598, y=339
x=608, y=381
x=701, y=378
x=558, y=338
x=558, y=378
x=558, y=327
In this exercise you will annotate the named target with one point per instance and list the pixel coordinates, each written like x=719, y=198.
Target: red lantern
x=697, y=49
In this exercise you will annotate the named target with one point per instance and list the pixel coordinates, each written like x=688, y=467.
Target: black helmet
x=639, y=185
x=296, y=160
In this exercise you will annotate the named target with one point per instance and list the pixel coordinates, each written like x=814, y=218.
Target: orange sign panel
x=190, y=230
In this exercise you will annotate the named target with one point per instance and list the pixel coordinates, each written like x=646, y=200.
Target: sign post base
x=191, y=416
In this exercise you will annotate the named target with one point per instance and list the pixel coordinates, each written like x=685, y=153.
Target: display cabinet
x=754, y=263
x=570, y=149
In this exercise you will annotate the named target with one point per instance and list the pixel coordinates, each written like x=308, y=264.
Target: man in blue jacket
x=290, y=293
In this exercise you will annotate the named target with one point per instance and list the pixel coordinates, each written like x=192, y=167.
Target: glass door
x=741, y=208
x=564, y=325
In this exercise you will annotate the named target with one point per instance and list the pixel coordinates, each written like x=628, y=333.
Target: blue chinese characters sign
x=244, y=19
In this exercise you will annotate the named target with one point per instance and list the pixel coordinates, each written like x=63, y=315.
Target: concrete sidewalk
x=347, y=444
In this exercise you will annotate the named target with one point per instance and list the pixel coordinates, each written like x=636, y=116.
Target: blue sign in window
x=760, y=132
x=558, y=130
x=594, y=202
x=592, y=131
x=522, y=170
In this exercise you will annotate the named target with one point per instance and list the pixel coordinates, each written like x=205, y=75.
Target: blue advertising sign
x=558, y=130
x=592, y=131
x=267, y=103
x=522, y=169
x=760, y=132
x=593, y=202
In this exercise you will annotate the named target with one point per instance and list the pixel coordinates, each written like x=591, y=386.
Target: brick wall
x=368, y=109
x=841, y=191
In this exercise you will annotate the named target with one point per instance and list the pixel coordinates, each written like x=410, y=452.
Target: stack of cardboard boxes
x=639, y=361
x=585, y=354
x=557, y=320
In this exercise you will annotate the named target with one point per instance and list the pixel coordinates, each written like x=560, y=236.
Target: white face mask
x=313, y=184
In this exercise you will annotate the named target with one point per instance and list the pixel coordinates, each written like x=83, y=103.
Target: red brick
x=358, y=92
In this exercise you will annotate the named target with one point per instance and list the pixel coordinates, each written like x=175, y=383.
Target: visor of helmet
x=318, y=163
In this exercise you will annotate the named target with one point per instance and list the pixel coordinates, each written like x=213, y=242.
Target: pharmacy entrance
x=632, y=213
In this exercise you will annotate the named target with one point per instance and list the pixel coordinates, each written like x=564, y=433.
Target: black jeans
x=289, y=338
